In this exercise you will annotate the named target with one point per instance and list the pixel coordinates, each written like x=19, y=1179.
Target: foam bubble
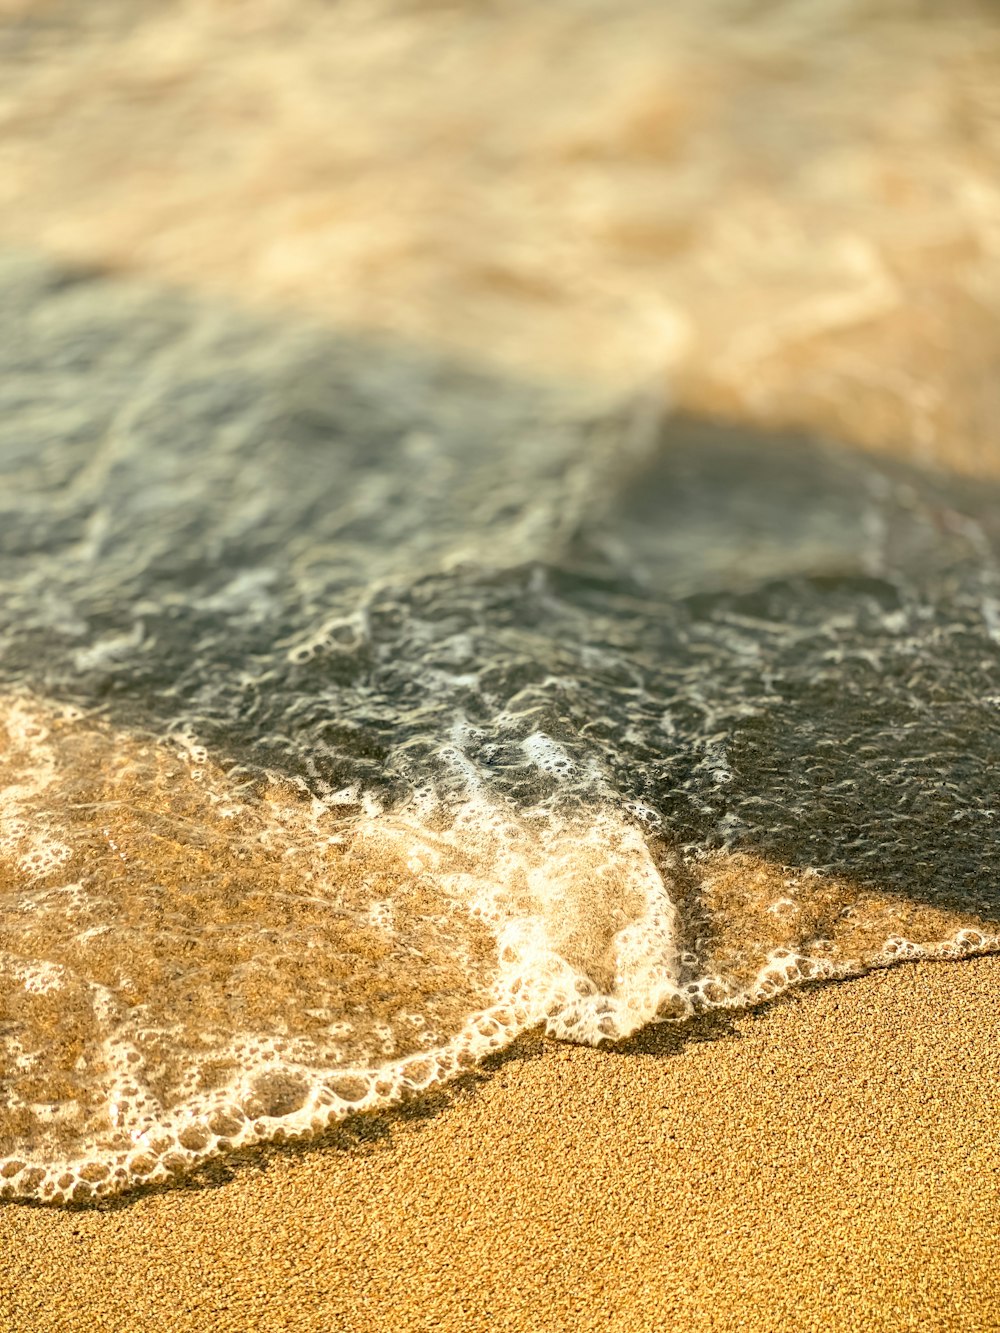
x=199, y=969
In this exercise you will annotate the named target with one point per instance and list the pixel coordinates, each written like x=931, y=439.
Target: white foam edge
x=589, y=1018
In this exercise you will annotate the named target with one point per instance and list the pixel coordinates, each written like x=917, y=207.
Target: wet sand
x=831, y=1163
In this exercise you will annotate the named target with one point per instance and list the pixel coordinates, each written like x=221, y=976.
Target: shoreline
x=829, y=1162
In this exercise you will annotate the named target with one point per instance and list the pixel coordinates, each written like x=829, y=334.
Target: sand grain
x=832, y=1164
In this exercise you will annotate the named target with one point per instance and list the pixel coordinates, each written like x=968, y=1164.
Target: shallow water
x=362, y=709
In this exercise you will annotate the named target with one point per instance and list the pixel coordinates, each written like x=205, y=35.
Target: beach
x=499, y=524
x=830, y=1163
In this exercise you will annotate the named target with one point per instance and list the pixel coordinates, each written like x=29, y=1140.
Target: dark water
x=363, y=709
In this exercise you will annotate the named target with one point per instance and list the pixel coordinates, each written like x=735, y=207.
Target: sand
x=829, y=1163
x=828, y=261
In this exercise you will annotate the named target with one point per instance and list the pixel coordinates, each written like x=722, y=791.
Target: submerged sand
x=830, y=1163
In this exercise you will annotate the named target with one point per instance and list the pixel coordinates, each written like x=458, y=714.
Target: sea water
x=360, y=710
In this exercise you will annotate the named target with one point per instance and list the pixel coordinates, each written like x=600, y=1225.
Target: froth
x=187, y=967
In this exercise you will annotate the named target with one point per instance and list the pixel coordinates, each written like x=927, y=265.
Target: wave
x=360, y=711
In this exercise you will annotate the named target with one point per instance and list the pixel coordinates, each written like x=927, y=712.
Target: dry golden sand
x=831, y=1164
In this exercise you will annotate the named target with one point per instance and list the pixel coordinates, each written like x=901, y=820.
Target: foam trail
x=195, y=971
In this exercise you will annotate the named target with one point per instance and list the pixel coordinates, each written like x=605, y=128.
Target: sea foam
x=198, y=969
x=360, y=709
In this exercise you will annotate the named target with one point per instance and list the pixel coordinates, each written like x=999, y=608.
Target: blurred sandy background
x=787, y=212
